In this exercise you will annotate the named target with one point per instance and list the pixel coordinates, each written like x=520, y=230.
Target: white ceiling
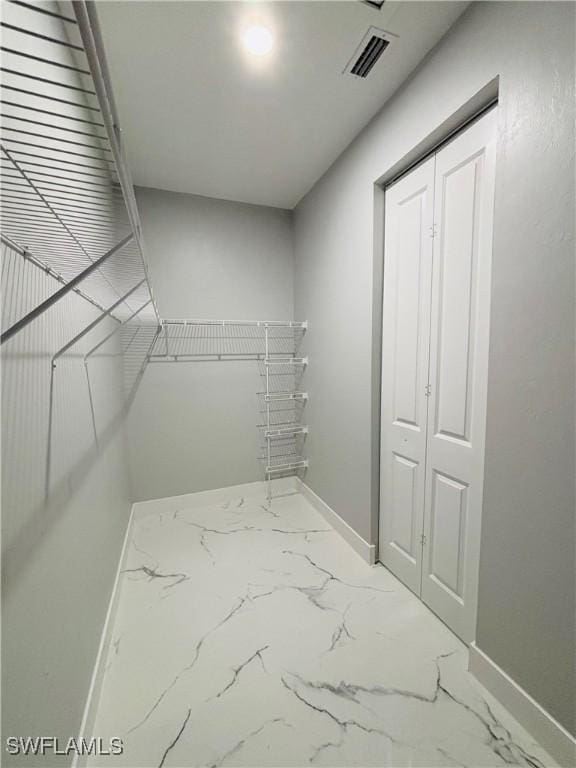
x=200, y=115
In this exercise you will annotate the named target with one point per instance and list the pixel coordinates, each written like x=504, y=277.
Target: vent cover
x=371, y=48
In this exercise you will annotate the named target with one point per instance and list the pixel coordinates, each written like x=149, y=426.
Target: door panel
x=448, y=533
x=407, y=332
x=405, y=348
x=464, y=198
x=455, y=300
x=403, y=534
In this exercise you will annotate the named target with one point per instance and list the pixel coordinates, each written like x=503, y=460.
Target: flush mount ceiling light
x=258, y=40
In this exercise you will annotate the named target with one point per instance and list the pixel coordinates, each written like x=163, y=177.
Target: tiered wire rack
x=282, y=405
x=274, y=345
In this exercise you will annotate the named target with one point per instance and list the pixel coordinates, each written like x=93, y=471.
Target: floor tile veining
x=254, y=637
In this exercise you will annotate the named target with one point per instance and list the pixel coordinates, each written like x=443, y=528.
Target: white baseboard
x=547, y=731
x=93, y=699
x=190, y=500
x=366, y=551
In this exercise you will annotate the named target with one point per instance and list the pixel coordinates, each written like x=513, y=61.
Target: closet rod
x=41, y=308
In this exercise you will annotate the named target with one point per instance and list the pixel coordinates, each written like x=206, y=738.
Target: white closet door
x=406, y=330
x=464, y=201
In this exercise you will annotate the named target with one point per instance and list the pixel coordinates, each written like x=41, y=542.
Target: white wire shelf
x=291, y=465
x=287, y=431
x=189, y=340
x=284, y=412
x=66, y=195
x=274, y=397
x=294, y=361
x=279, y=422
x=271, y=324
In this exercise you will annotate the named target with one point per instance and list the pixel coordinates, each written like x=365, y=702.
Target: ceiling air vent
x=371, y=48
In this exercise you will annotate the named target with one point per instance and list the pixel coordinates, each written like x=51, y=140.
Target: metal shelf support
x=59, y=354
x=268, y=438
x=94, y=323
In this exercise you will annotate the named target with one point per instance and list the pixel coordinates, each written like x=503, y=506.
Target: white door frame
x=469, y=631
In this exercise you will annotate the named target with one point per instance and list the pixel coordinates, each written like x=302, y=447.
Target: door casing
x=441, y=481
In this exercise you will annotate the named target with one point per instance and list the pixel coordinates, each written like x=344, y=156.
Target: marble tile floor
x=249, y=637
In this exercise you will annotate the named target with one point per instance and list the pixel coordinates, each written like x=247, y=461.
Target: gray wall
x=60, y=553
x=526, y=600
x=193, y=425
x=59, y=557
